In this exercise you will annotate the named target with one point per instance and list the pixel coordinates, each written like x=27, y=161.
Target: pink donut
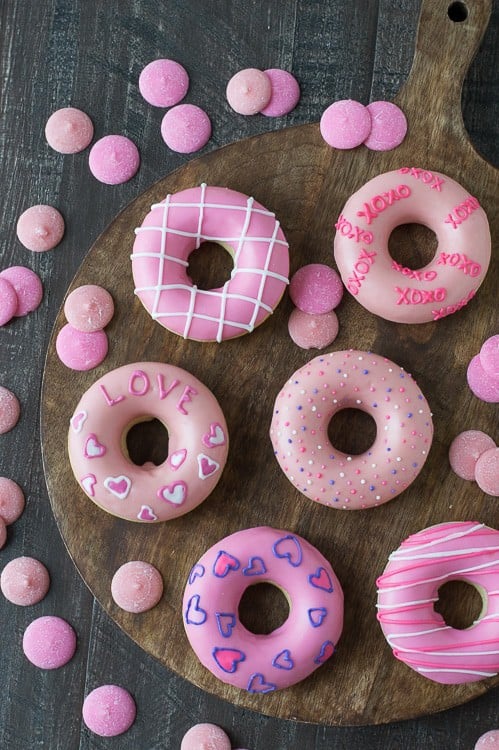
x=197, y=432
x=408, y=588
x=351, y=380
x=384, y=286
x=180, y=224
x=263, y=663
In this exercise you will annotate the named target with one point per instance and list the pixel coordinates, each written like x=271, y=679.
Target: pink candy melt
x=205, y=737
x=483, y=385
x=79, y=350
x=487, y=472
x=109, y=710
x=114, y=159
x=186, y=128
x=388, y=126
x=313, y=331
x=466, y=449
x=285, y=93
x=137, y=586
x=163, y=83
x=489, y=356
x=8, y=301
x=40, y=228
x=89, y=308
x=49, y=642
x=24, y=581
x=488, y=741
x=69, y=130
x=316, y=288
x=345, y=124
x=27, y=286
x=249, y=91
x=11, y=500
x=10, y=410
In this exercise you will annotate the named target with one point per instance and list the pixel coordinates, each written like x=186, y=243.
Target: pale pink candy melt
x=388, y=126
x=79, y=350
x=11, y=500
x=137, y=586
x=485, y=387
x=89, y=308
x=345, y=124
x=285, y=93
x=24, y=581
x=466, y=449
x=313, y=331
x=249, y=91
x=489, y=356
x=186, y=128
x=114, y=159
x=205, y=737
x=40, y=228
x=488, y=741
x=69, y=130
x=49, y=642
x=316, y=288
x=8, y=301
x=163, y=83
x=487, y=472
x=27, y=286
x=109, y=710
x=10, y=410
x=3, y=533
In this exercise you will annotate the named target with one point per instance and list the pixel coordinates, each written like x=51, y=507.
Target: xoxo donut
x=351, y=380
x=407, y=590
x=385, y=287
x=262, y=663
x=180, y=224
x=197, y=442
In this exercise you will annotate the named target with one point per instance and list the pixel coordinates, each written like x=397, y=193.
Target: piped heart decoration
x=289, y=548
x=118, y=486
x=197, y=571
x=226, y=622
x=224, y=563
x=283, y=660
x=146, y=514
x=327, y=650
x=215, y=437
x=195, y=614
x=321, y=580
x=174, y=493
x=317, y=616
x=93, y=448
x=77, y=420
x=228, y=658
x=88, y=483
x=255, y=567
x=177, y=459
x=207, y=466
x=258, y=684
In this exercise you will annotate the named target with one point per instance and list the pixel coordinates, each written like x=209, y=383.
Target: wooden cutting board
x=306, y=183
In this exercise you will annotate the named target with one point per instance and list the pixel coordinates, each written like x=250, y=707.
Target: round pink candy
x=345, y=124
x=487, y=472
x=79, y=350
x=388, y=126
x=89, y=308
x=24, y=581
x=483, y=385
x=8, y=301
x=285, y=93
x=163, y=83
x=40, y=228
x=9, y=410
x=489, y=356
x=49, y=642
x=109, y=710
x=466, y=449
x=114, y=159
x=69, y=130
x=316, y=288
x=137, y=586
x=249, y=91
x=488, y=741
x=186, y=128
x=3, y=533
x=11, y=500
x=311, y=331
x=27, y=286
x=205, y=737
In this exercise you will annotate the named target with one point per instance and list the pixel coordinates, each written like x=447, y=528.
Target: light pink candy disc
x=109, y=710
x=10, y=410
x=205, y=737
x=69, y=130
x=483, y=385
x=249, y=91
x=345, y=124
x=163, y=83
x=11, y=500
x=27, y=286
x=466, y=449
x=388, y=126
x=40, y=228
x=186, y=128
x=313, y=331
x=8, y=301
x=49, y=642
x=137, y=586
x=488, y=741
x=89, y=308
x=487, y=472
x=3, y=533
x=114, y=159
x=489, y=356
x=285, y=93
x=79, y=350
x=316, y=288
x=24, y=581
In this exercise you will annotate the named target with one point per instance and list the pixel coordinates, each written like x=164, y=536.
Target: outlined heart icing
x=224, y=563
x=321, y=580
x=78, y=420
x=177, y=459
x=195, y=614
x=146, y=514
x=197, y=571
x=255, y=567
x=327, y=650
x=258, y=684
x=283, y=660
x=93, y=448
x=317, y=616
x=226, y=622
x=118, y=486
x=228, y=658
x=88, y=483
x=174, y=493
x=290, y=548
x=207, y=466
x=215, y=437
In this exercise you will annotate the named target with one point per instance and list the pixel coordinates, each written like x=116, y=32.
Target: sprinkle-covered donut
x=351, y=380
x=388, y=288
x=180, y=224
x=262, y=663
x=197, y=442
x=407, y=590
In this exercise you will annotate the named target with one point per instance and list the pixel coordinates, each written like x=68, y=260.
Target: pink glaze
x=316, y=288
x=263, y=663
x=381, y=284
x=137, y=586
x=69, y=130
x=8, y=301
x=197, y=442
x=466, y=449
x=89, y=308
x=205, y=737
x=285, y=93
x=11, y=500
x=351, y=380
x=24, y=581
x=40, y=228
x=345, y=124
x=109, y=710
x=186, y=128
x=114, y=159
x=163, y=83
x=10, y=410
x=49, y=642
x=484, y=386
x=313, y=331
x=408, y=589
x=27, y=286
x=489, y=356
x=487, y=472
x=388, y=126
x=79, y=350
x=180, y=224
x=488, y=741
x=249, y=91
x=3, y=532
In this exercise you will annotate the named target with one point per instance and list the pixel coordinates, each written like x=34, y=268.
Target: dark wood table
x=89, y=54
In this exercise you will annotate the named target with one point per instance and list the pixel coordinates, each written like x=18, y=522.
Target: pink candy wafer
x=11, y=500
x=285, y=93
x=487, y=472
x=8, y=301
x=388, y=126
x=186, y=128
x=137, y=586
x=205, y=737
x=316, y=288
x=10, y=410
x=345, y=124
x=482, y=385
x=114, y=159
x=24, y=581
x=109, y=710
x=40, y=228
x=489, y=356
x=466, y=449
x=49, y=642
x=163, y=83
x=488, y=741
x=313, y=331
x=69, y=130
x=27, y=286
x=249, y=91
x=79, y=350
x=89, y=308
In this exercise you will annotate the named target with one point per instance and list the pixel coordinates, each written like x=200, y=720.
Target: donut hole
x=352, y=431
x=147, y=442
x=413, y=246
x=460, y=603
x=263, y=608
x=457, y=12
x=210, y=266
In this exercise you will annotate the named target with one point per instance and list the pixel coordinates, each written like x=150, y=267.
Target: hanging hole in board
x=457, y=12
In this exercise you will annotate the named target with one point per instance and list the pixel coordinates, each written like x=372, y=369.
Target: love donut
x=387, y=288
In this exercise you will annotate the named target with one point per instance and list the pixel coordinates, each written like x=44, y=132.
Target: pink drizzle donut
x=351, y=380
x=180, y=224
x=466, y=551
x=197, y=442
x=384, y=286
x=263, y=663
